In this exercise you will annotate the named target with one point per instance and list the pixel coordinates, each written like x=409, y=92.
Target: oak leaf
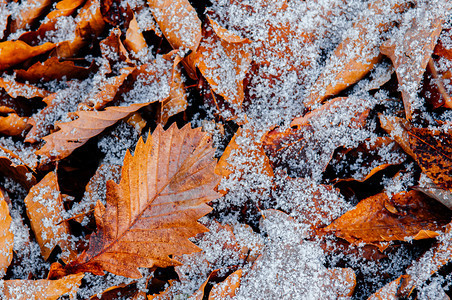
x=44, y=209
x=42, y=289
x=6, y=236
x=380, y=219
x=154, y=209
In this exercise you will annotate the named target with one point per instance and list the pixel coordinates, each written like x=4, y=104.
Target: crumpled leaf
x=224, y=63
x=52, y=69
x=42, y=289
x=13, y=125
x=44, y=209
x=6, y=236
x=74, y=134
x=357, y=54
x=428, y=187
x=89, y=23
x=226, y=288
x=380, y=219
x=15, y=52
x=411, y=48
x=433, y=152
x=134, y=38
x=397, y=128
x=11, y=165
x=18, y=89
x=155, y=207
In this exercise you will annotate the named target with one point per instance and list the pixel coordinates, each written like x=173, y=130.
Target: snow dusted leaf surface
x=6, y=236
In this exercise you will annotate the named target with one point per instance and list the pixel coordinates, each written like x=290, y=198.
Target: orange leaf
x=15, y=52
x=134, y=38
x=13, y=125
x=74, y=134
x=397, y=128
x=43, y=289
x=52, y=69
x=178, y=21
x=17, y=89
x=227, y=287
x=6, y=236
x=433, y=153
x=30, y=11
x=357, y=54
x=224, y=64
x=380, y=218
x=44, y=209
x=411, y=49
x=153, y=211
x=15, y=163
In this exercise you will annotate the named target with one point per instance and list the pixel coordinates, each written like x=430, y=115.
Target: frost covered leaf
x=89, y=23
x=11, y=165
x=227, y=288
x=380, y=219
x=178, y=21
x=433, y=153
x=224, y=63
x=15, y=52
x=134, y=38
x=30, y=11
x=76, y=133
x=42, y=289
x=13, y=125
x=45, y=211
x=397, y=128
x=358, y=53
x=411, y=48
x=52, y=69
x=17, y=89
x=154, y=209
x=6, y=236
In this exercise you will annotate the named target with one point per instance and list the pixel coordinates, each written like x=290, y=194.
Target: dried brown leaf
x=30, y=11
x=13, y=125
x=381, y=219
x=154, y=209
x=226, y=289
x=134, y=38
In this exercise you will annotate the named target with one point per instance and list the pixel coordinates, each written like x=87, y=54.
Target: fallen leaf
x=433, y=153
x=162, y=192
x=74, y=134
x=15, y=52
x=224, y=64
x=30, y=11
x=178, y=21
x=6, y=236
x=11, y=165
x=134, y=38
x=13, y=125
x=41, y=289
x=411, y=48
x=17, y=89
x=52, y=69
x=89, y=23
x=226, y=288
x=398, y=128
x=357, y=54
x=44, y=209
x=381, y=219
x=428, y=187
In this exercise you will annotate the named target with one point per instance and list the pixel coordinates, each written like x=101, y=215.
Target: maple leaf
x=152, y=212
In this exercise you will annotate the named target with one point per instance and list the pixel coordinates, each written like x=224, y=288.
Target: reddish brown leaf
x=433, y=153
x=44, y=209
x=76, y=133
x=41, y=289
x=379, y=219
x=6, y=236
x=134, y=38
x=14, y=163
x=153, y=211
x=410, y=50
x=227, y=287
x=397, y=128
x=52, y=69
x=30, y=11
x=15, y=52
x=17, y=89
